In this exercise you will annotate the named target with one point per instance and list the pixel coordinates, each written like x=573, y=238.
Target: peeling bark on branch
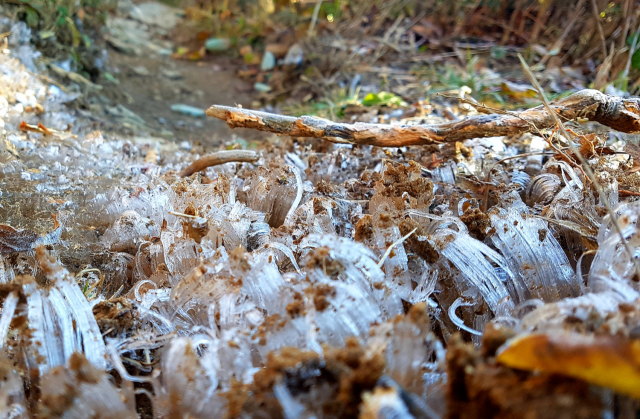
x=614, y=112
x=218, y=158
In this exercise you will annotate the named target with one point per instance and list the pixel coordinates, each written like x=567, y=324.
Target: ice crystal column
x=276, y=192
x=612, y=269
x=534, y=254
x=481, y=268
x=61, y=319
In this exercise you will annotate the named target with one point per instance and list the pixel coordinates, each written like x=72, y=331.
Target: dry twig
x=596, y=15
x=314, y=18
x=220, y=157
x=560, y=41
x=614, y=112
x=625, y=75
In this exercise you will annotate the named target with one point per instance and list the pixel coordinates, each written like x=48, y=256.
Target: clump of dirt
x=259, y=394
x=478, y=223
x=61, y=386
x=480, y=388
x=270, y=324
x=321, y=258
x=114, y=318
x=296, y=307
x=236, y=397
x=357, y=371
x=321, y=293
x=418, y=242
x=345, y=373
x=406, y=186
x=494, y=337
x=364, y=229
x=419, y=315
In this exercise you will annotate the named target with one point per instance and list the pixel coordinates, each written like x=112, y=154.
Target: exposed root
x=614, y=112
x=221, y=157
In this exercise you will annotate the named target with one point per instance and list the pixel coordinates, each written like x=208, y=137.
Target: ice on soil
x=213, y=277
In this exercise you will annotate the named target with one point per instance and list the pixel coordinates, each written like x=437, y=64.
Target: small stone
x=140, y=70
x=294, y=56
x=165, y=133
x=268, y=61
x=188, y=110
x=262, y=87
x=155, y=14
x=539, y=49
x=171, y=74
x=217, y=44
x=22, y=98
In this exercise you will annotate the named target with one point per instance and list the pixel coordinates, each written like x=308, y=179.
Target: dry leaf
x=427, y=29
x=8, y=145
x=13, y=241
x=634, y=152
x=518, y=91
x=40, y=128
x=278, y=50
x=607, y=361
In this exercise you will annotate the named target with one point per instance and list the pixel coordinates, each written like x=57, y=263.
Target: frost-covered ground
x=321, y=281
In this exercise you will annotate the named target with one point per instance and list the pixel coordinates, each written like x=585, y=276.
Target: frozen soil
x=321, y=280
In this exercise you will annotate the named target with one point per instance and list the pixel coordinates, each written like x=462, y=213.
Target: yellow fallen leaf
x=607, y=361
x=518, y=91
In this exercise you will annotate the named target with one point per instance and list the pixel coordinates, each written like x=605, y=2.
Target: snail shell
x=542, y=189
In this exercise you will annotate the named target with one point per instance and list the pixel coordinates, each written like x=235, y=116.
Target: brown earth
x=200, y=84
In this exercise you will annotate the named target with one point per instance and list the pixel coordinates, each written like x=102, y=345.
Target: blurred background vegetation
x=439, y=45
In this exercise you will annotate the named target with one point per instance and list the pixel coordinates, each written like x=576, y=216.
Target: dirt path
x=155, y=82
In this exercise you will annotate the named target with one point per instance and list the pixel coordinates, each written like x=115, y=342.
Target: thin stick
x=116, y=293
x=558, y=44
x=84, y=271
x=314, y=18
x=536, y=153
x=624, y=192
x=218, y=158
x=615, y=112
x=179, y=214
x=585, y=164
x=543, y=7
x=627, y=67
x=390, y=248
x=626, y=10
x=596, y=15
x=488, y=110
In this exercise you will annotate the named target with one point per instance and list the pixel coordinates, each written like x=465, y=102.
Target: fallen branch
x=614, y=112
x=220, y=157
